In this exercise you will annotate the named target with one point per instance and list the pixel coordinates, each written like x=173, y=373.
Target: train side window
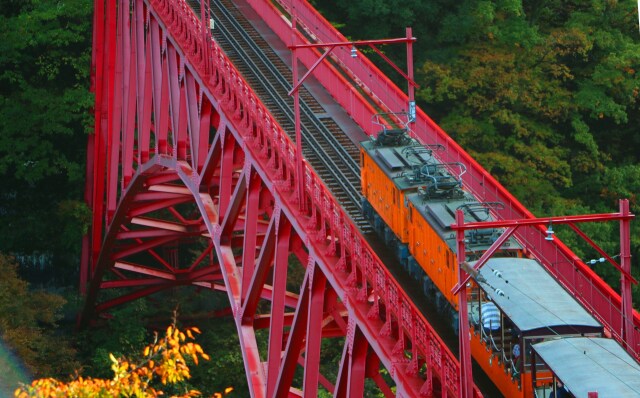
x=528, y=352
x=362, y=159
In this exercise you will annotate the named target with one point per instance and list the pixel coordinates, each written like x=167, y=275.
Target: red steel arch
x=185, y=154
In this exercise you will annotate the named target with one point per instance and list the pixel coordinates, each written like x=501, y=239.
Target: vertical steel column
x=226, y=172
x=97, y=59
x=204, y=25
x=278, y=294
x=296, y=110
x=625, y=282
x=410, y=89
x=353, y=366
x=115, y=110
x=251, y=230
x=357, y=364
x=340, y=388
x=466, y=377
x=314, y=331
x=297, y=335
x=302, y=205
x=205, y=126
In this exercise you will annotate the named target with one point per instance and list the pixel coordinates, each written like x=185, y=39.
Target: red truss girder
x=594, y=294
x=183, y=150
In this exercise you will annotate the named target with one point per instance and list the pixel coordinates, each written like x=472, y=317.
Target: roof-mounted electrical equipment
x=392, y=136
x=418, y=154
x=478, y=212
x=438, y=180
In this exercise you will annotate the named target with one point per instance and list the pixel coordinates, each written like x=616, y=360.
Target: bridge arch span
x=185, y=155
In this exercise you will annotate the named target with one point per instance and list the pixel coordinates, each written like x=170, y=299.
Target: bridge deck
x=184, y=152
x=350, y=128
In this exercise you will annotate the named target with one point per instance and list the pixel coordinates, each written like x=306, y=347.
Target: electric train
x=411, y=200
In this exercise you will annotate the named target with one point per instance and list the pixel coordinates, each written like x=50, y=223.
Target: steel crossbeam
x=184, y=155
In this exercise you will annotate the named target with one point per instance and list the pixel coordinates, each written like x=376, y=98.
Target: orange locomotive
x=411, y=199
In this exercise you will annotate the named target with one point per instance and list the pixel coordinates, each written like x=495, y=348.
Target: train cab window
x=473, y=302
x=527, y=352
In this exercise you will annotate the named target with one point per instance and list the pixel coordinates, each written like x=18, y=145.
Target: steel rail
x=313, y=145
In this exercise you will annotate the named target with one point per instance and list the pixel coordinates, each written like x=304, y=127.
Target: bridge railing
x=582, y=281
x=368, y=286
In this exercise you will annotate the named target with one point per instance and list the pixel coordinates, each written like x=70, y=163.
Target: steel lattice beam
x=183, y=151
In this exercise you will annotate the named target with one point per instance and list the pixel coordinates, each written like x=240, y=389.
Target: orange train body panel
x=412, y=200
x=385, y=197
x=399, y=205
x=494, y=368
x=434, y=256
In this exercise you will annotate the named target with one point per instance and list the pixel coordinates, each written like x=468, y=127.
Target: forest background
x=544, y=94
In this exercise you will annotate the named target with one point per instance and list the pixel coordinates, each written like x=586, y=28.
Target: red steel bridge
x=193, y=181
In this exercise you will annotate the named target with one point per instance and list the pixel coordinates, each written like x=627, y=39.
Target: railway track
x=330, y=152
x=326, y=147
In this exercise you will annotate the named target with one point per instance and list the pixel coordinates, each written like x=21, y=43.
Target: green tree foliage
x=535, y=96
x=544, y=94
x=45, y=50
x=28, y=324
x=44, y=82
